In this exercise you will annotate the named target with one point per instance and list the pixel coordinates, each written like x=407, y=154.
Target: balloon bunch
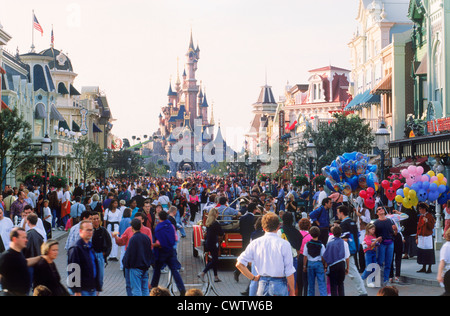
x=421, y=187
x=351, y=172
x=368, y=197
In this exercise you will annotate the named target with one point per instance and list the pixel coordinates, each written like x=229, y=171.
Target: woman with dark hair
x=290, y=233
x=112, y=219
x=424, y=239
x=194, y=204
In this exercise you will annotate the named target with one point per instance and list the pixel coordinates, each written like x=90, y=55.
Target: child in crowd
x=371, y=242
x=314, y=264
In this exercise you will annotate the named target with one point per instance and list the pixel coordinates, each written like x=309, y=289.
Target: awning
x=74, y=91
x=2, y=71
x=62, y=89
x=64, y=125
x=75, y=127
x=410, y=162
x=425, y=146
x=365, y=99
x=423, y=67
x=384, y=87
x=96, y=129
x=40, y=113
x=55, y=115
x=5, y=106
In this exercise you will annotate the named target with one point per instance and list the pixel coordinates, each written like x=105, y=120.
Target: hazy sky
x=130, y=48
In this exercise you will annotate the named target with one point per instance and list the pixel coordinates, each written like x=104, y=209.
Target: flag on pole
x=52, y=38
x=37, y=26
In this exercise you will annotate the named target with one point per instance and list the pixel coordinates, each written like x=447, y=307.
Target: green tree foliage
x=15, y=140
x=90, y=157
x=347, y=133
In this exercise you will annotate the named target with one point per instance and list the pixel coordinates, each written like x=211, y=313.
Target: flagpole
x=32, y=33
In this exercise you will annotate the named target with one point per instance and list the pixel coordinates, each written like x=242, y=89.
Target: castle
x=185, y=133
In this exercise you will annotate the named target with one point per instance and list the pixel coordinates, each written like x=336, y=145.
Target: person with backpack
x=337, y=256
x=350, y=230
x=165, y=235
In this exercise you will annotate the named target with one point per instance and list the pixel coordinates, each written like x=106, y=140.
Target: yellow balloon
x=415, y=201
x=406, y=191
x=440, y=177
x=407, y=203
x=412, y=194
x=431, y=173
x=399, y=199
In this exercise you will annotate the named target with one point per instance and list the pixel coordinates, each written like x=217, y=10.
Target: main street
x=114, y=284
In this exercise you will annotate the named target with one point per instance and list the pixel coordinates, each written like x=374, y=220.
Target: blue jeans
x=89, y=293
x=253, y=289
x=272, y=287
x=180, y=224
x=101, y=267
x=139, y=282
x=316, y=270
x=385, y=257
x=167, y=257
x=370, y=257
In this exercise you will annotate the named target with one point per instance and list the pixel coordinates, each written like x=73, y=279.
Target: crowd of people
x=286, y=248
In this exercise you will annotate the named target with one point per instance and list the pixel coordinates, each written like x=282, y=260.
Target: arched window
x=40, y=114
x=39, y=78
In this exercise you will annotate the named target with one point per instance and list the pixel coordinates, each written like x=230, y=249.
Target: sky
x=130, y=48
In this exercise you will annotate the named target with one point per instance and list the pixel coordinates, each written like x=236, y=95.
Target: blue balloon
x=353, y=181
x=350, y=156
x=400, y=192
x=372, y=168
x=371, y=180
x=444, y=196
x=330, y=184
x=335, y=174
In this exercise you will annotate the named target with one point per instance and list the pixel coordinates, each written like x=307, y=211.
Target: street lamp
x=46, y=149
x=311, y=153
x=382, y=137
x=105, y=155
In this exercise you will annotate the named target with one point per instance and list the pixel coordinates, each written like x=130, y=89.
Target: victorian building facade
x=41, y=87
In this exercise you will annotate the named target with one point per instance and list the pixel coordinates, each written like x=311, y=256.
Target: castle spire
x=212, y=123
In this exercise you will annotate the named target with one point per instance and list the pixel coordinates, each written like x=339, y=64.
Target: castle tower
x=191, y=89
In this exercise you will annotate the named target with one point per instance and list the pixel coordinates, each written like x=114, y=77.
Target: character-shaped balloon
x=361, y=167
x=367, y=196
x=362, y=181
x=348, y=169
x=412, y=175
x=390, y=190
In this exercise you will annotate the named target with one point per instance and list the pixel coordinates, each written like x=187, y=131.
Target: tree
x=15, y=140
x=347, y=133
x=89, y=155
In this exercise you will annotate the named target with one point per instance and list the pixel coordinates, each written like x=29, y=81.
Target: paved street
x=115, y=282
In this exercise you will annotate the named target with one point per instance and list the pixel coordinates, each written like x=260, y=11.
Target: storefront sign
x=439, y=125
